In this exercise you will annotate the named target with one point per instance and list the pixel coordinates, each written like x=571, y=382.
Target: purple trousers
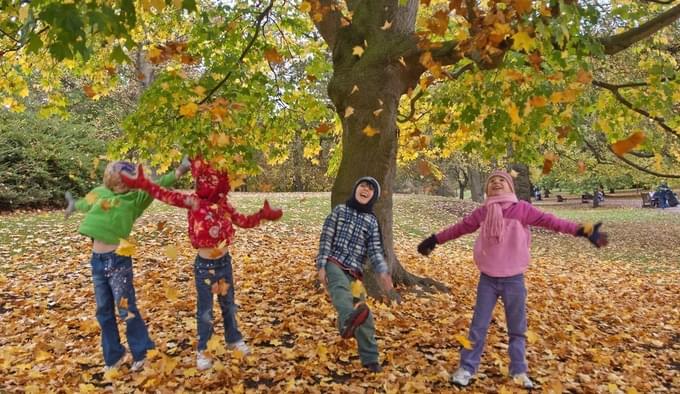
x=514, y=295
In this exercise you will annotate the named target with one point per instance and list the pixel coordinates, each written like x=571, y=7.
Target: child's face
x=364, y=193
x=497, y=185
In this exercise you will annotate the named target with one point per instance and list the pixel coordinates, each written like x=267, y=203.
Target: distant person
x=662, y=194
x=110, y=211
x=502, y=254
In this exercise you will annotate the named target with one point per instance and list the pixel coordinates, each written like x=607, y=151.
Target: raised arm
x=171, y=197
x=468, y=225
x=535, y=217
x=248, y=221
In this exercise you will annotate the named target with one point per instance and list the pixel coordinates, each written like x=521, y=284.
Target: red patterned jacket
x=210, y=214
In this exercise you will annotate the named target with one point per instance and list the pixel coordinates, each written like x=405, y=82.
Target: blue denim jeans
x=113, y=289
x=514, y=295
x=208, y=273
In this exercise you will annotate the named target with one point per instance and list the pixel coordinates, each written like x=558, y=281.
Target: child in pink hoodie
x=501, y=253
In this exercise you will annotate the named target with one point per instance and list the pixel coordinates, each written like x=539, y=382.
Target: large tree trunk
x=476, y=183
x=522, y=181
x=381, y=82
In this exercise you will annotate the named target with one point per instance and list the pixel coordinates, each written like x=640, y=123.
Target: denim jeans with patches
x=215, y=277
x=113, y=289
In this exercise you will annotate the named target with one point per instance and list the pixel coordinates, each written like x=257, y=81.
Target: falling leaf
x=357, y=289
x=355, y=89
x=514, y=173
x=370, y=131
x=464, y=341
x=123, y=303
x=125, y=248
x=323, y=128
x=273, y=56
x=402, y=61
x=377, y=112
x=423, y=168
x=348, y=112
x=358, y=51
x=623, y=146
x=548, y=161
x=89, y=92
x=188, y=110
x=199, y=90
x=584, y=77
x=386, y=25
x=305, y=6
x=581, y=167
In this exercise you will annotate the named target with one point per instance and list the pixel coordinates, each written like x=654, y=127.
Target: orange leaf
x=323, y=128
x=370, y=131
x=522, y=6
x=273, y=56
x=548, y=161
x=581, y=167
x=622, y=147
x=89, y=92
x=423, y=168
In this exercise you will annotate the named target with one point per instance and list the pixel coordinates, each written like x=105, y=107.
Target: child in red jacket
x=210, y=231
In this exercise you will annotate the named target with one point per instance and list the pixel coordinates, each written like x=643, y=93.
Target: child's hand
x=323, y=280
x=427, y=245
x=271, y=214
x=70, y=205
x=385, y=281
x=134, y=182
x=183, y=167
x=592, y=232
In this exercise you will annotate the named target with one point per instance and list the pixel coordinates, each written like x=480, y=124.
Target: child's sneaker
x=117, y=364
x=240, y=346
x=137, y=365
x=203, y=362
x=357, y=318
x=523, y=380
x=461, y=377
x=373, y=367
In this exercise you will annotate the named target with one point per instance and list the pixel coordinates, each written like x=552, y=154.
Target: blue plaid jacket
x=349, y=236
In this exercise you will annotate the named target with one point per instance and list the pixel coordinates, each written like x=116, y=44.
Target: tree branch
x=618, y=42
x=258, y=27
x=643, y=169
x=615, y=91
x=329, y=25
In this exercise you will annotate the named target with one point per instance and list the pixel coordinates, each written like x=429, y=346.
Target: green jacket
x=109, y=216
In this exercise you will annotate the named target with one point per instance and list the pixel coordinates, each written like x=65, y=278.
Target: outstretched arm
x=175, y=198
x=249, y=221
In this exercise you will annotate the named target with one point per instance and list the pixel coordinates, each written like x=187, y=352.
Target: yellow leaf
x=386, y=25
x=123, y=303
x=522, y=41
x=191, y=372
x=357, y=289
x=613, y=388
x=171, y=251
x=215, y=346
x=513, y=111
x=358, y=51
x=188, y=110
x=199, y=90
x=171, y=293
x=402, y=61
x=631, y=390
x=464, y=341
x=355, y=89
x=531, y=336
x=604, y=125
x=370, y=131
x=349, y=111
x=322, y=352
x=42, y=355
x=91, y=198
x=305, y=6
x=112, y=374
x=125, y=248
x=236, y=181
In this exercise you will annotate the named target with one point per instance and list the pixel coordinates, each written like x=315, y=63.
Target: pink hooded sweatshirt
x=509, y=254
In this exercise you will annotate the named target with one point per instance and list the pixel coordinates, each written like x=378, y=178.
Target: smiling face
x=496, y=186
x=364, y=193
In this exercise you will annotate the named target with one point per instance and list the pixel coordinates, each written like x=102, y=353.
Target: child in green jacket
x=110, y=211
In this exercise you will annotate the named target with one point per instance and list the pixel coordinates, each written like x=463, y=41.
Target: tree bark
x=476, y=183
x=522, y=181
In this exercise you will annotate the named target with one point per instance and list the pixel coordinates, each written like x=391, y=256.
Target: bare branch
x=258, y=27
x=619, y=42
x=643, y=169
x=615, y=91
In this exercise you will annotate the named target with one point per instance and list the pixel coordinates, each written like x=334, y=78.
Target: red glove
x=270, y=214
x=138, y=182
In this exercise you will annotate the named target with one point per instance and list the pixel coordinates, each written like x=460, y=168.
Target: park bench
x=586, y=198
x=647, y=202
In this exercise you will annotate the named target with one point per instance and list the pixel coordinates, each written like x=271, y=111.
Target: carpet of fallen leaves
x=599, y=320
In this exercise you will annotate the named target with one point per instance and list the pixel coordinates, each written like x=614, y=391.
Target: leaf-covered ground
x=599, y=320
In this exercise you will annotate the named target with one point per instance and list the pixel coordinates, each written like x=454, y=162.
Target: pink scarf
x=493, y=225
